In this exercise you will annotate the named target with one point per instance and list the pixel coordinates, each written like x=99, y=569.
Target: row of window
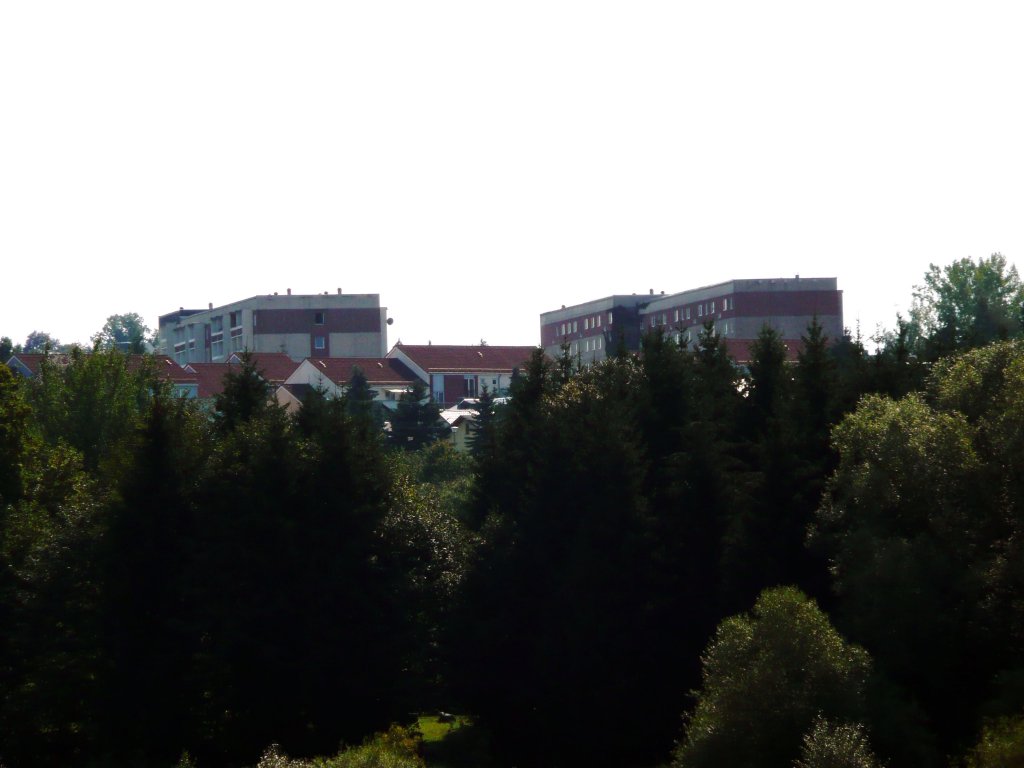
x=573, y=326
x=683, y=314
x=589, y=345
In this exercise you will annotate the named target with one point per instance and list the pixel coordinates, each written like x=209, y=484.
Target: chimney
x=289, y=291
x=211, y=305
x=339, y=291
x=652, y=291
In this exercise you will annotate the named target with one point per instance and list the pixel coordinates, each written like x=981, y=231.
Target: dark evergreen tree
x=149, y=634
x=245, y=396
x=416, y=421
x=483, y=426
x=359, y=401
x=765, y=540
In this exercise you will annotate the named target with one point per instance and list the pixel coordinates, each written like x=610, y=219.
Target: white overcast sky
x=477, y=163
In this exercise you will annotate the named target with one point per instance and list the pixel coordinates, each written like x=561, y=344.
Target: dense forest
x=660, y=559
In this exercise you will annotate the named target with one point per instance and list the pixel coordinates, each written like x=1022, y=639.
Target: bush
x=767, y=676
x=836, y=746
x=397, y=748
x=1001, y=745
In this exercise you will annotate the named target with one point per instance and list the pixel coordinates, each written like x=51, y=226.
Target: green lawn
x=434, y=730
x=460, y=744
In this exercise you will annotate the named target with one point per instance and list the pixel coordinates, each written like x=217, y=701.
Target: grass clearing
x=434, y=730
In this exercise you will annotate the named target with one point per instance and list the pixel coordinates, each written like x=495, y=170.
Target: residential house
x=455, y=372
x=388, y=377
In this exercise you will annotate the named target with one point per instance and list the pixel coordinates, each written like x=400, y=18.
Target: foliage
x=576, y=564
x=39, y=341
x=395, y=748
x=7, y=348
x=767, y=676
x=1001, y=745
x=482, y=428
x=416, y=420
x=924, y=508
x=836, y=746
x=94, y=402
x=126, y=333
x=967, y=304
x=246, y=395
x=359, y=400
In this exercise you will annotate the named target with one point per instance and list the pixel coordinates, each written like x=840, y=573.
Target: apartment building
x=593, y=329
x=299, y=326
x=738, y=309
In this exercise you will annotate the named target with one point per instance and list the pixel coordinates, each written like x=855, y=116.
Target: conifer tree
x=417, y=419
x=359, y=400
x=246, y=395
x=482, y=428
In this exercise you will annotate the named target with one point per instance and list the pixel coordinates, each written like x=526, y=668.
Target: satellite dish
x=391, y=320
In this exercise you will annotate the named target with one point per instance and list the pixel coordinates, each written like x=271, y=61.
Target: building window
x=236, y=319
x=598, y=342
x=598, y=321
x=676, y=317
x=236, y=339
x=687, y=313
x=217, y=345
x=586, y=323
x=712, y=307
x=575, y=327
x=700, y=310
x=319, y=342
x=318, y=318
x=610, y=318
x=217, y=324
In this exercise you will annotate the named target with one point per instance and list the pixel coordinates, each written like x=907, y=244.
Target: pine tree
x=482, y=428
x=359, y=401
x=416, y=421
x=246, y=395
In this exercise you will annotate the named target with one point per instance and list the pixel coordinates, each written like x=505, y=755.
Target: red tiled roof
x=440, y=357
x=378, y=370
x=30, y=360
x=275, y=367
x=163, y=366
x=210, y=377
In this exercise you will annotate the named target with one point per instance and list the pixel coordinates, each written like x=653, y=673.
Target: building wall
x=738, y=308
x=592, y=330
x=449, y=388
x=318, y=325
